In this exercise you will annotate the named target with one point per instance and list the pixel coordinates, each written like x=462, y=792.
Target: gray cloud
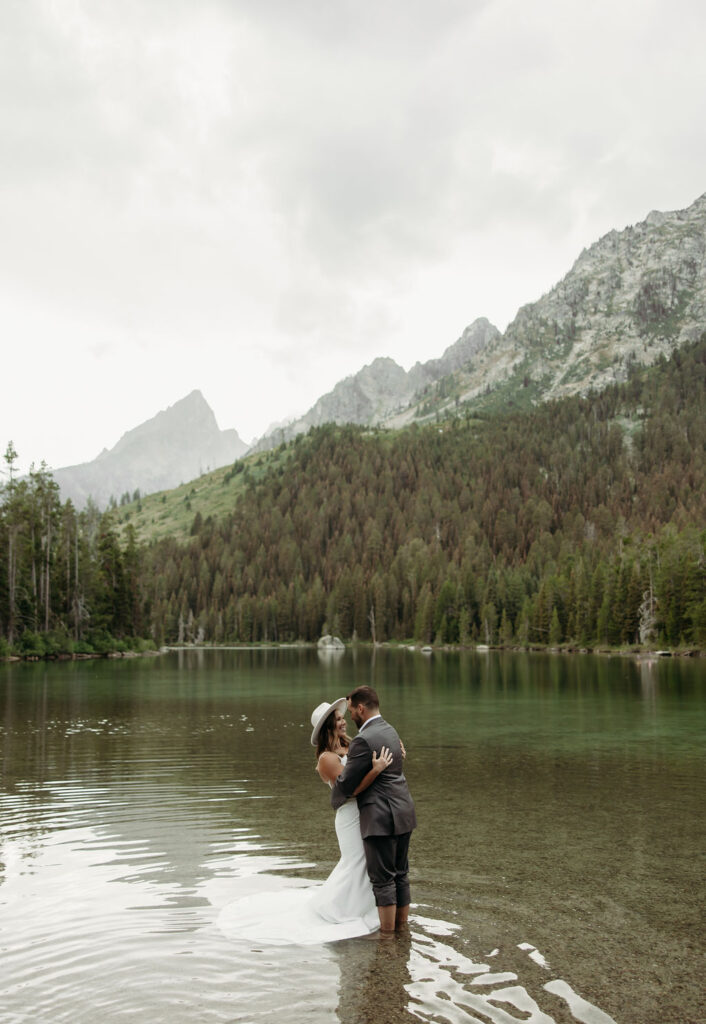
x=297, y=178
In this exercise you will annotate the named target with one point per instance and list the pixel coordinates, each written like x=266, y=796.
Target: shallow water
x=557, y=868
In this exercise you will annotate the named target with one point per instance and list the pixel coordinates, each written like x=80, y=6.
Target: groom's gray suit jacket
x=386, y=807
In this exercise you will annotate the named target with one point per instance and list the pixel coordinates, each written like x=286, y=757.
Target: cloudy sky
x=257, y=197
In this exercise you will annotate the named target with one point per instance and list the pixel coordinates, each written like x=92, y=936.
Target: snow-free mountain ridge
x=178, y=444
x=384, y=388
x=631, y=297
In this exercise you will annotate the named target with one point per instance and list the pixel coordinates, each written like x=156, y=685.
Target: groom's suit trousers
x=387, y=861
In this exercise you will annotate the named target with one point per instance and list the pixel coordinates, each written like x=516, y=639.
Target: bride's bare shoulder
x=329, y=766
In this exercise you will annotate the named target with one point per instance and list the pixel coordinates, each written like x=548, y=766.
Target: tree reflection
x=374, y=979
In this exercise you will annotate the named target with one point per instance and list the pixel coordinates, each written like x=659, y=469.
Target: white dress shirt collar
x=371, y=719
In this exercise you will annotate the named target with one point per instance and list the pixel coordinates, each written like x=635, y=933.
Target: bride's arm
x=329, y=766
x=381, y=761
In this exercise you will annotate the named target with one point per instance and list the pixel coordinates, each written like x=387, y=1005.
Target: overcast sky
x=257, y=197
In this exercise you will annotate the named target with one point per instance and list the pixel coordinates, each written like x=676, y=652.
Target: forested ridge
x=581, y=523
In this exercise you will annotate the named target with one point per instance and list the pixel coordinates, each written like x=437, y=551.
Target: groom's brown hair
x=364, y=695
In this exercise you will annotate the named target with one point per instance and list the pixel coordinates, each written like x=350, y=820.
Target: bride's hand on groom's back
x=382, y=760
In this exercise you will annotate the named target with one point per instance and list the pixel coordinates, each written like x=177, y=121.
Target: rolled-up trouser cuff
x=387, y=861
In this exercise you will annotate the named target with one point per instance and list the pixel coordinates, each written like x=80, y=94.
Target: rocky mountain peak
x=383, y=389
x=178, y=444
x=633, y=295
x=191, y=416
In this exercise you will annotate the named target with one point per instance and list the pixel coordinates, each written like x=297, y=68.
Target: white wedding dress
x=342, y=907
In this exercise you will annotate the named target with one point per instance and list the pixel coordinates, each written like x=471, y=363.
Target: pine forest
x=580, y=523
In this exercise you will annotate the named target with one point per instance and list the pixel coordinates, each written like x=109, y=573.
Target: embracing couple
x=370, y=882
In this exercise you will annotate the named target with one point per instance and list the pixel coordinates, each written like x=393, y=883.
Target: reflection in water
x=414, y=975
x=328, y=656
x=447, y=985
x=374, y=977
x=648, y=677
x=137, y=799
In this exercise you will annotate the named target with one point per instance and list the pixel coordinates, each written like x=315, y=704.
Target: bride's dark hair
x=327, y=734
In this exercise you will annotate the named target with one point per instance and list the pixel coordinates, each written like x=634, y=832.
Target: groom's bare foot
x=387, y=917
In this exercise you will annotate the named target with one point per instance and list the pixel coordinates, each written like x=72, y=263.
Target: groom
x=386, y=810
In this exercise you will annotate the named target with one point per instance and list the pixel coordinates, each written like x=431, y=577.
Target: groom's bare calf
x=393, y=918
x=402, y=917
x=387, y=917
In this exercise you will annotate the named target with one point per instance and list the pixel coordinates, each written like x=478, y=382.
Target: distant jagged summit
x=383, y=388
x=178, y=444
x=632, y=296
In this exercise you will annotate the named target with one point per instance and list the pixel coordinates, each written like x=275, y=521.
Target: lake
x=557, y=871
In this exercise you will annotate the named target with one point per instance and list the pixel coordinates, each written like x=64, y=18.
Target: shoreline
x=657, y=654
x=112, y=655
x=641, y=654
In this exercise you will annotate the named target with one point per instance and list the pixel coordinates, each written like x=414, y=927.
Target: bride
x=346, y=895
x=343, y=907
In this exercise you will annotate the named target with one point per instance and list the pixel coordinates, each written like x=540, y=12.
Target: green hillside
x=579, y=522
x=172, y=513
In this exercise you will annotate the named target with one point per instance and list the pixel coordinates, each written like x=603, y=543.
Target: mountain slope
x=178, y=444
x=580, y=522
x=631, y=297
x=383, y=388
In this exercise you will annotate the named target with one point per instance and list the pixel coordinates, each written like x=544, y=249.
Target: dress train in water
x=343, y=907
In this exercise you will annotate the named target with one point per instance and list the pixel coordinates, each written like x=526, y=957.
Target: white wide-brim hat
x=320, y=714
